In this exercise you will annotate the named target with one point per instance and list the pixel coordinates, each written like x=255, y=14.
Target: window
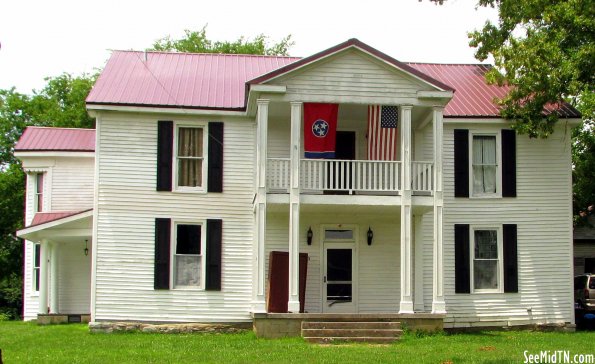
x=485, y=260
x=38, y=194
x=190, y=161
x=188, y=265
x=484, y=165
x=36, y=266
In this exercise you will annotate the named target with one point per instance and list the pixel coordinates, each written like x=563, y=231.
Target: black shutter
x=215, y=174
x=213, y=255
x=511, y=284
x=162, y=249
x=508, y=163
x=462, y=264
x=165, y=140
x=461, y=163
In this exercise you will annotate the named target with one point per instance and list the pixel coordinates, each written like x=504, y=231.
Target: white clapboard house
x=224, y=188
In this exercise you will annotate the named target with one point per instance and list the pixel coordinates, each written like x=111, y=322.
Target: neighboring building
x=199, y=174
x=584, y=247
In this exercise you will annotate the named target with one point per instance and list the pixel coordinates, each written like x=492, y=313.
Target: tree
x=60, y=103
x=583, y=161
x=197, y=42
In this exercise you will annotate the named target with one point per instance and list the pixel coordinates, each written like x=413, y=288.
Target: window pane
x=188, y=239
x=36, y=271
x=486, y=244
x=338, y=234
x=190, y=172
x=338, y=292
x=37, y=255
x=485, y=274
x=338, y=266
x=190, y=142
x=187, y=270
x=484, y=164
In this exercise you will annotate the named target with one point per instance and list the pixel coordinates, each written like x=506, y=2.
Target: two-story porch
x=371, y=227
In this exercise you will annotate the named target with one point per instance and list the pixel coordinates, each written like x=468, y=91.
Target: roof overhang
x=76, y=225
x=55, y=153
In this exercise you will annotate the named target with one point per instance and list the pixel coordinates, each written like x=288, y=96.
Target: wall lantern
x=370, y=236
x=309, y=235
x=86, y=248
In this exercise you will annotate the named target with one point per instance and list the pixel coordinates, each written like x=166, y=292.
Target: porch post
x=438, y=304
x=43, y=277
x=293, y=305
x=54, y=278
x=406, y=305
x=258, y=303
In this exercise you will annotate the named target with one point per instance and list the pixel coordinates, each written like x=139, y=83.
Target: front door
x=339, y=278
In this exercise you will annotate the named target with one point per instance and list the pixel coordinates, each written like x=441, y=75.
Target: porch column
x=54, y=278
x=406, y=305
x=258, y=303
x=438, y=304
x=293, y=305
x=43, y=277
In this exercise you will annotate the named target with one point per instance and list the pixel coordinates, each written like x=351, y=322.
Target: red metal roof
x=208, y=81
x=219, y=81
x=473, y=97
x=45, y=217
x=37, y=138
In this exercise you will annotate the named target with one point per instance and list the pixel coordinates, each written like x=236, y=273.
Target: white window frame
x=36, y=194
x=205, y=159
x=498, y=193
x=499, y=236
x=173, y=246
x=35, y=269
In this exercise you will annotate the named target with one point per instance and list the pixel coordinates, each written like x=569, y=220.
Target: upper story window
x=190, y=158
x=486, y=259
x=38, y=194
x=188, y=265
x=484, y=165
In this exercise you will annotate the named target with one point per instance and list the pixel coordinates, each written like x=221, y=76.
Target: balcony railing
x=317, y=175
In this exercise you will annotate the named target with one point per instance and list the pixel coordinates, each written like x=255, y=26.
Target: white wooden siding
x=72, y=184
x=543, y=216
x=352, y=76
x=377, y=265
x=128, y=205
x=74, y=279
x=582, y=250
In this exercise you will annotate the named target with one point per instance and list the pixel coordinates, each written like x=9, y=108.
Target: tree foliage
x=583, y=160
x=60, y=103
x=545, y=50
x=196, y=41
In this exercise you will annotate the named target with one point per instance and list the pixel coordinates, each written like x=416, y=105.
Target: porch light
x=370, y=236
x=309, y=235
x=86, y=248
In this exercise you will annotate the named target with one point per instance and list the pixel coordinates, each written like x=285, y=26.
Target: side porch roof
x=58, y=225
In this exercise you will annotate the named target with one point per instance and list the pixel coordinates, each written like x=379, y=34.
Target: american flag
x=382, y=132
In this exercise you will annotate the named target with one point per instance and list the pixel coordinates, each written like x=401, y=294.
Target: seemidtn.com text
x=557, y=357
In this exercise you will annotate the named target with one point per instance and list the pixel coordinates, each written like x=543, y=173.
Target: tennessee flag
x=320, y=130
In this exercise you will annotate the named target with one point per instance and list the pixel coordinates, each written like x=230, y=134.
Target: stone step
x=372, y=340
x=351, y=332
x=350, y=325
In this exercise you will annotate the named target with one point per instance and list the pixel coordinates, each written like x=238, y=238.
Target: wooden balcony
x=349, y=176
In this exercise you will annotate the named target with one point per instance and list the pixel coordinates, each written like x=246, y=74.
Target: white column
x=419, y=264
x=406, y=305
x=293, y=305
x=438, y=304
x=43, y=277
x=54, y=278
x=258, y=302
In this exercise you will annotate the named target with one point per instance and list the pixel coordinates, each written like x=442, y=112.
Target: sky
x=41, y=38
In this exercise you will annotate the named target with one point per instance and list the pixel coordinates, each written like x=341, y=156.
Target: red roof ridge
x=206, y=54
x=58, y=128
x=452, y=64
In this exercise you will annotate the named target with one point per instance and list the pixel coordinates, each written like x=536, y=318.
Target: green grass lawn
x=27, y=342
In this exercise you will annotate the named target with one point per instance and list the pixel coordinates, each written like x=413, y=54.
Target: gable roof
x=222, y=81
x=352, y=43
x=36, y=138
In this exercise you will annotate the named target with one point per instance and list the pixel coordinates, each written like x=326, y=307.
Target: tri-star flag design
x=320, y=130
x=382, y=132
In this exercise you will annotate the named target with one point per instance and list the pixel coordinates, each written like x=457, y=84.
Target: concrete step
x=330, y=340
x=351, y=332
x=351, y=325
